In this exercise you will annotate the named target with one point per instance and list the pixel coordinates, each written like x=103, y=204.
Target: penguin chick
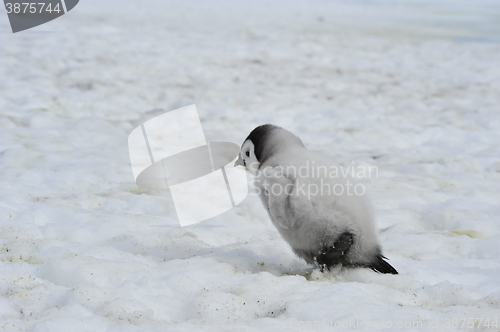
x=309, y=204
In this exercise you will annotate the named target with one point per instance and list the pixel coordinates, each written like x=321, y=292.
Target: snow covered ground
x=411, y=87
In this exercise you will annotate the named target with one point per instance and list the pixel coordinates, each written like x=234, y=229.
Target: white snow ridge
x=409, y=87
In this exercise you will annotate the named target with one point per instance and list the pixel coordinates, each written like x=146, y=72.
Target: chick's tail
x=381, y=265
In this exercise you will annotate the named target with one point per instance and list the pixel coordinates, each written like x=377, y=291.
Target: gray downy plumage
x=325, y=228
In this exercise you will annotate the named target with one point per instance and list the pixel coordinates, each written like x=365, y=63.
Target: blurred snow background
x=412, y=87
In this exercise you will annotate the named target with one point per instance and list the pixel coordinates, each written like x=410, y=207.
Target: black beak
x=240, y=161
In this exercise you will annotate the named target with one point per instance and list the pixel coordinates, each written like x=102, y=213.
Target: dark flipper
x=331, y=256
x=380, y=265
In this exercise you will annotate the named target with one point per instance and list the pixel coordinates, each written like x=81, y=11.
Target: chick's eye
x=247, y=153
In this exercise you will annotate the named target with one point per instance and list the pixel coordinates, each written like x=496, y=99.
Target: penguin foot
x=333, y=255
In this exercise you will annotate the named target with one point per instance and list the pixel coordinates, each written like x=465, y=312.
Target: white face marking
x=248, y=156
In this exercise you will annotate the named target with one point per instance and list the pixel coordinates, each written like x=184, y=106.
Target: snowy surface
x=412, y=87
